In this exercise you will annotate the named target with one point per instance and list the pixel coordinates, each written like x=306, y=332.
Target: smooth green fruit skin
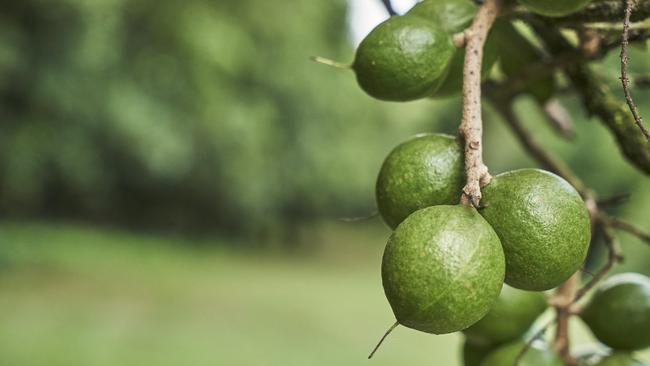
x=543, y=225
x=518, y=54
x=451, y=15
x=424, y=171
x=554, y=8
x=535, y=356
x=619, y=359
x=404, y=58
x=454, y=16
x=619, y=312
x=442, y=269
x=509, y=318
x=473, y=353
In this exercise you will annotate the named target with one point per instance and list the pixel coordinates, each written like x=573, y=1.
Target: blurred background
x=175, y=178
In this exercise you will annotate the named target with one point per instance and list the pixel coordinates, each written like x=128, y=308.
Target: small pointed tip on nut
x=331, y=63
x=392, y=327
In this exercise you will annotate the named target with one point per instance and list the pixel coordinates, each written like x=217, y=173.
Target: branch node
x=471, y=127
x=459, y=39
x=624, y=79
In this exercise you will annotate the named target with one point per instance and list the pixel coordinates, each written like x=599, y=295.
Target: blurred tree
x=183, y=114
x=202, y=114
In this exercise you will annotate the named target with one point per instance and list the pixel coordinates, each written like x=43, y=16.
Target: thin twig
x=635, y=35
x=537, y=151
x=597, y=11
x=471, y=127
x=620, y=224
x=590, y=41
x=369, y=216
x=607, y=27
x=599, y=100
x=615, y=200
x=516, y=83
x=613, y=256
x=611, y=39
x=587, y=272
x=539, y=334
x=624, y=79
x=559, y=118
x=562, y=300
x=389, y=7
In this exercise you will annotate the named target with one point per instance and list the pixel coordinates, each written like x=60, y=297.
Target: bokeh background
x=175, y=178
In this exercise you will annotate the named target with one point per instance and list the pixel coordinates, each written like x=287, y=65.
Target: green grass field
x=72, y=296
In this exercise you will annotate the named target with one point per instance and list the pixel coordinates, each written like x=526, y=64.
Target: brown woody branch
x=620, y=224
x=471, y=126
x=539, y=334
x=613, y=256
x=562, y=301
x=615, y=200
x=559, y=118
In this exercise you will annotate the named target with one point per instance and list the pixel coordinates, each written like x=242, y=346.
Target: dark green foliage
x=424, y=171
x=473, y=353
x=518, y=53
x=554, y=8
x=442, y=269
x=543, y=225
x=619, y=312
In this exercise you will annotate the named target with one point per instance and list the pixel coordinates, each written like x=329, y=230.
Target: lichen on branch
x=596, y=12
x=599, y=101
